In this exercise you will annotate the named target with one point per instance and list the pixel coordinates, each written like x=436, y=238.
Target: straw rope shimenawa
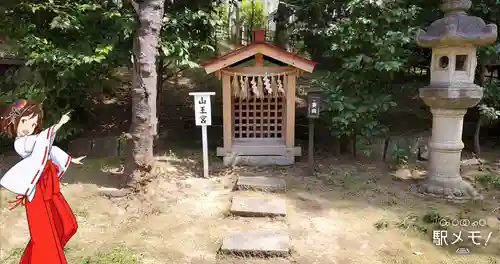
x=265, y=74
x=259, y=84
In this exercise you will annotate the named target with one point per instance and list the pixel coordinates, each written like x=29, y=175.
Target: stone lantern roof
x=456, y=28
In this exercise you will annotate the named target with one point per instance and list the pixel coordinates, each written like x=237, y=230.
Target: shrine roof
x=252, y=49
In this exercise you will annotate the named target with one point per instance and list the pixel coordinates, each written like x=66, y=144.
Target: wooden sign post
x=203, y=115
x=313, y=109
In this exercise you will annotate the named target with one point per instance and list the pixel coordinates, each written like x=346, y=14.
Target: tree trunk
x=477, y=132
x=160, y=71
x=237, y=24
x=338, y=147
x=281, y=21
x=230, y=9
x=252, y=18
x=144, y=81
x=354, y=143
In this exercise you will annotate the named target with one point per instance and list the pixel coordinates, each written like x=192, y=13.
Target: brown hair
x=9, y=123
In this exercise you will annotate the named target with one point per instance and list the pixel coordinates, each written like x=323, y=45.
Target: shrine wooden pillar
x=290, y=111
x=227, y=107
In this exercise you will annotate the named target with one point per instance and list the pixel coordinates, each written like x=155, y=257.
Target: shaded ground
x=349, y=212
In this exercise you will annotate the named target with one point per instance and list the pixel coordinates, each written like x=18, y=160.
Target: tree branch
x=176, y=72
x=168, y=64
x=135, y=5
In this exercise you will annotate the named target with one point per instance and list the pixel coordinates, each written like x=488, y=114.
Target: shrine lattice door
x=256, y=118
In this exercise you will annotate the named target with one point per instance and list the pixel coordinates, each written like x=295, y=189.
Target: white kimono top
x=35, y=151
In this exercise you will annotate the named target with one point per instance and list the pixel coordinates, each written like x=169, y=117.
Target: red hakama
x=50, y=219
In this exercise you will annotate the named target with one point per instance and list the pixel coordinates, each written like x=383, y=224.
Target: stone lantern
x=453, y=40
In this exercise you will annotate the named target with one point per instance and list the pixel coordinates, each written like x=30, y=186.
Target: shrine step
x=261, y=183
x=258, y=243
x=243, y=205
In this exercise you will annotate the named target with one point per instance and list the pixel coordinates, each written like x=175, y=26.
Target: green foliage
x=400, y=154
x=432, y=217
x=188, y=32
x=222, y=13
x=489, y=112
x=365, y=146
x=252, y=14
x=486, y=53
x=492, y=93
x=72, y=47
x=489, y=10
x=366, y=44
x=372, y=37
x=49, y=34
x=490, y=104
x=352, y=110
x=489, y=108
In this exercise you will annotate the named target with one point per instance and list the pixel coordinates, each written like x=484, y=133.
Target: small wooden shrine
x=258, y=91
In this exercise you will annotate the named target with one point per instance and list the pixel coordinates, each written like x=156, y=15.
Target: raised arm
x=53, y=129
x=64, y=119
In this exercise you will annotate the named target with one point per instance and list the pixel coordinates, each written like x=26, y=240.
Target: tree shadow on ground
x=103, y=172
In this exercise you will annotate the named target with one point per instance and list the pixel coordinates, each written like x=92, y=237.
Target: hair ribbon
x=16, y=110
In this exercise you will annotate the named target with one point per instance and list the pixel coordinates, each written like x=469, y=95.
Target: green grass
x=118, y=255
x=490, y=180
x=13, y=254
x=99, y=164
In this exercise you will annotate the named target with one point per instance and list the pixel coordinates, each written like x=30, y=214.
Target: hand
x=64, y=119
x=77, y=160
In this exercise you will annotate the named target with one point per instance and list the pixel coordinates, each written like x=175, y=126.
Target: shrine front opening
x=259, y=102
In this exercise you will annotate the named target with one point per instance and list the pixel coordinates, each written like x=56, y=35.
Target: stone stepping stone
x=243, y=205
x=261, y=183
x=257, y=243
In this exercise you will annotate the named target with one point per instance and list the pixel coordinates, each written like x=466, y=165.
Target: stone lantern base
x=448, y=108
x=453, y=189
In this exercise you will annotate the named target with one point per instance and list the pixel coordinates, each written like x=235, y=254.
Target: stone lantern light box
x=453, y=65
x=454, y=40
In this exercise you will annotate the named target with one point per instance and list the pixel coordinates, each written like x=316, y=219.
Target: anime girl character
x=35, y=180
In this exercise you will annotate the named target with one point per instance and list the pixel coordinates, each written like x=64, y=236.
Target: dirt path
x=331, y=218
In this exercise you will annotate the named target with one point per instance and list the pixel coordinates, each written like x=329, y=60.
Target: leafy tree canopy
x=74, y=46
